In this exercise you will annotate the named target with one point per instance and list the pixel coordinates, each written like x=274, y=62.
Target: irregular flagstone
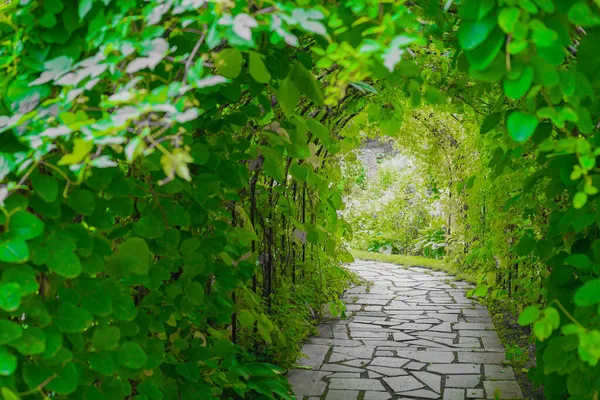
x=432, y=380
x=502, y=390
x=481, y=357
x=358, y=362
x=403, y=383
x=340, y=368
x=356, y=352
x=336, y=342
x=478, y=333
x=462, y=381
x=411, y=336
x=454, y=368
x=414, y=366
x=422, y=393
x=443, y=327
x=377, y=396
x=399, y=336
x=395, y=362
x=498, y=373
x=387, y=371
x=356, y=384
x=307, y=383
x=315, y=353
x=454, y=394
x=474, y=326
x=427, y=356
x=342, y=395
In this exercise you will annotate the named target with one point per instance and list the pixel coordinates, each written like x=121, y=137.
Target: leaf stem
x=568, y=314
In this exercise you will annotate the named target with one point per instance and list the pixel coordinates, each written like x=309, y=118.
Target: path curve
x=414, y=335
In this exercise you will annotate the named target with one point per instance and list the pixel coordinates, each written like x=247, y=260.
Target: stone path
x=414, y=335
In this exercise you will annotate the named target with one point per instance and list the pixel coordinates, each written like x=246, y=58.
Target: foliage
x=165, y=174
x=391, y=208
x=167, y=165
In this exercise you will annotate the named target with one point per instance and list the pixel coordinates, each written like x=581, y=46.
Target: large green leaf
x=45, y=186
x=307, y=83
x=9, y=331
x=132, y=257
x=518, y=87
x=482, y=56
x=32, y=342
x=521, y=126
x=229, y=62
x=131, y=355
x=8, y=365
x=13, y=250
x=257, y=68
x=150, y=227
x=24, y=276
x=10, y=296
x=472, y=34
x=588, y=294
x=72, y=319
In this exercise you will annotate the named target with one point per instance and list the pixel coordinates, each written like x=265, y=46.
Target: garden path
x=413, y=334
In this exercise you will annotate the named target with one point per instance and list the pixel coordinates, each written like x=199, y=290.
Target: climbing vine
x=168, y=177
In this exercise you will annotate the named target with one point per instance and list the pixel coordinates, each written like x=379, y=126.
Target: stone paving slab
x=412, y=335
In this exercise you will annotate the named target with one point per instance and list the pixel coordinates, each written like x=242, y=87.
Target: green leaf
x=8, y=365
x=62, y=260
x=200, y=153
x=288, y=96
x=72, y=319
x=581, y=14
x=529, y=315
x=189, y=371
x=228, y=62
x=104, y=363
x=490, y=122
x=299, y=172
x=66, y=380
x=32, y=342
x=485, y=53
x=131, y=355
x=84, y=8
x=9, y=331
x=307, y=84
x=106, y=337
x=194, y=293
x=44, y=186
x=150, y=227
x=10, y=296
x=579, y=261
x=257, y=68
x=474, y=10
x=82, y=201
x=246, y=318
x=132, y=257
x=588, y=294
x=24, y=276
x=81, y=148
x=508, y=18
x=472, y=34
x=14, y=251
x=25, y=226
x=518, y=87
x=521, y=126
x=579, y=200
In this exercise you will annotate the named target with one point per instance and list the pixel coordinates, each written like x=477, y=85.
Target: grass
x=413, y=261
